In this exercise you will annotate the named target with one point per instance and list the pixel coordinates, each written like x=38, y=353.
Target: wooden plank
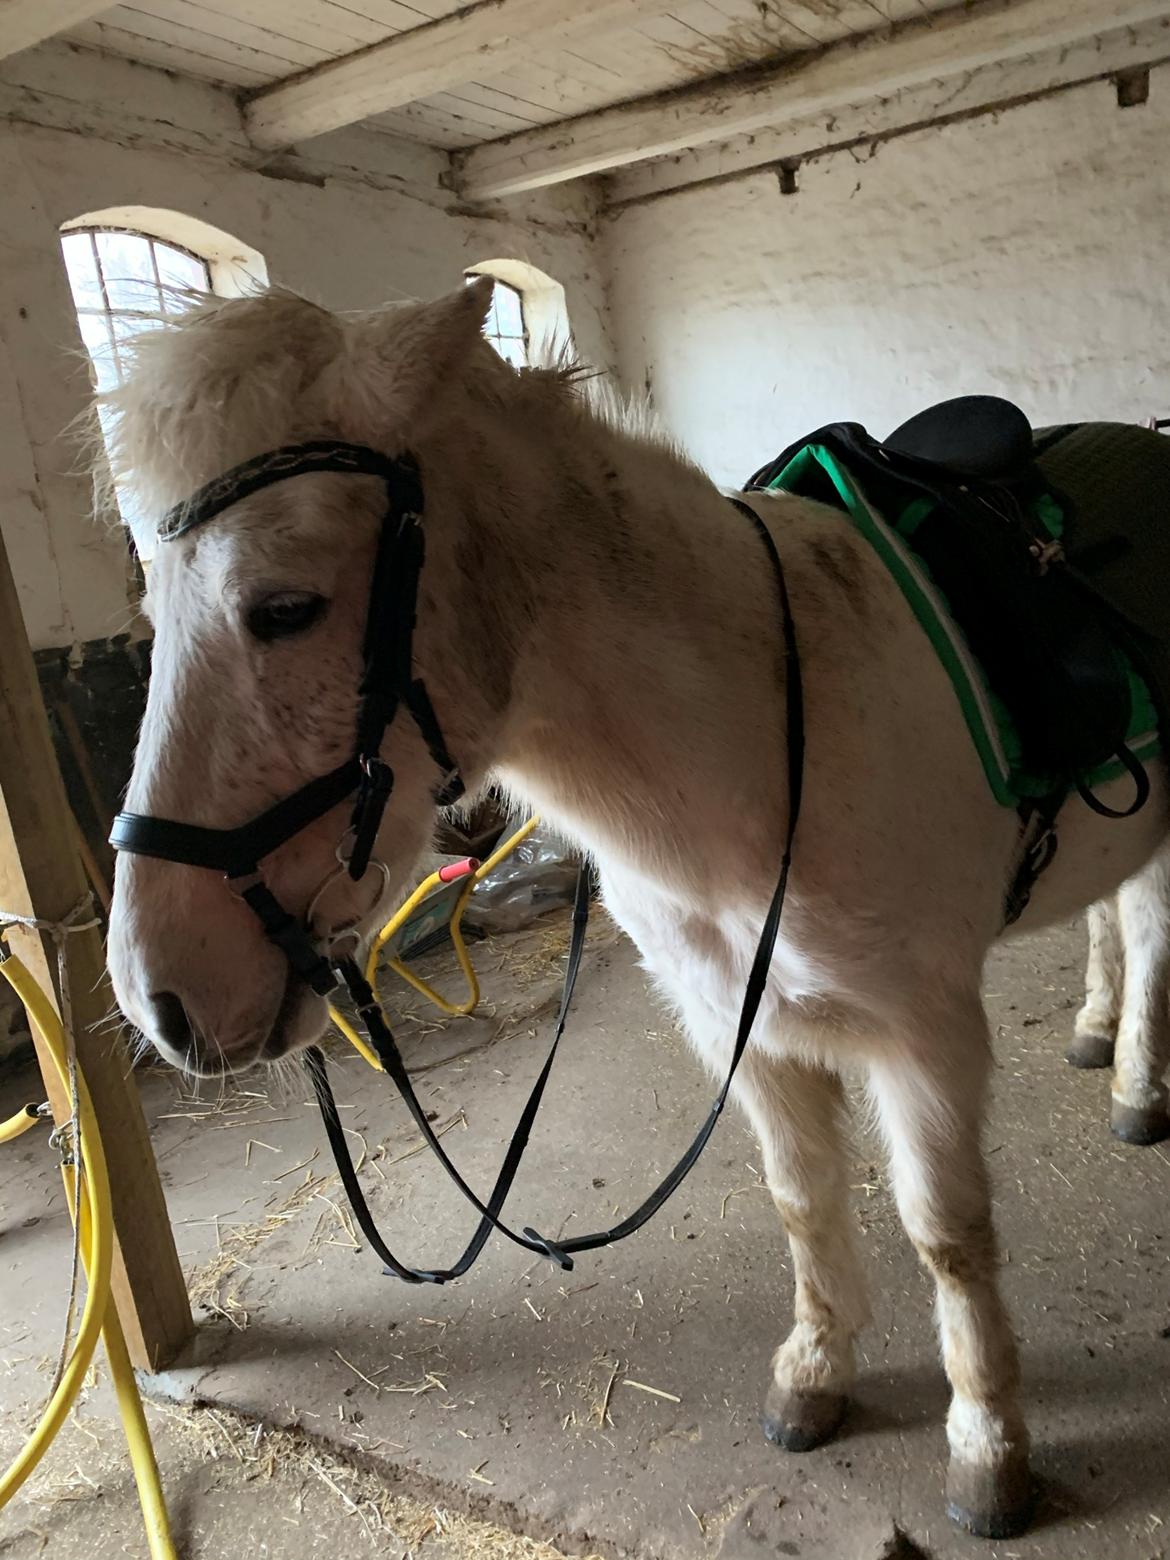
x=273, y=60
x=239, y=36
x=41, y=874
x=24, y=23
x=844, y=74
x=330, y=28
x=426, y=61
x=992, y=87
x=168, y=56
x=399, y=15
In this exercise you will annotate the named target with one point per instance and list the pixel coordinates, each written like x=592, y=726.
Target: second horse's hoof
x=800, y=1421
x=1090, y=1051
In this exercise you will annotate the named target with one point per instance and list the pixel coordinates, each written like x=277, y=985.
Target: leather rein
x=387, y=685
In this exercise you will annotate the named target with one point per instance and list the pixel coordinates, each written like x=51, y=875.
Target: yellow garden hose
x=96, y=1234
x=475, y=872
x=30, y=1116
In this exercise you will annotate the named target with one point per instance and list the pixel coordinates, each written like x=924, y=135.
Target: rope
x=66, y=1137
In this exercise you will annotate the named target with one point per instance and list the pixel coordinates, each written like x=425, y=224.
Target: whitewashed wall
x=1026, y=255
x=363, y=221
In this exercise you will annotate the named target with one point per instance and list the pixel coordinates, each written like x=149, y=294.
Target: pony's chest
x=700, y=955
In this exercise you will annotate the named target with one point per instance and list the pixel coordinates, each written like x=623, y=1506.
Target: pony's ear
x=405, y=355
x=452, y=323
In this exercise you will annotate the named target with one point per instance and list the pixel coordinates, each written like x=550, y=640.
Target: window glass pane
x=95, y=332
x=178, y=269
x=506, y=303
x=128, y=271
x=125, y=326
x=82, y=269
x=512, y=351
x=131, y=294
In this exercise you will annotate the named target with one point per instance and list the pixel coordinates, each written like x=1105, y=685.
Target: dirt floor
x=613, y=1410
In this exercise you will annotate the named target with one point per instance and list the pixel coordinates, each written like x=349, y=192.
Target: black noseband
x=387, y=681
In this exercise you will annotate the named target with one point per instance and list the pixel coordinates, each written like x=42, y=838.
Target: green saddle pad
x=1111, y=485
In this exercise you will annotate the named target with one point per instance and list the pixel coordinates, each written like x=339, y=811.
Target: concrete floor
x=613, y=1409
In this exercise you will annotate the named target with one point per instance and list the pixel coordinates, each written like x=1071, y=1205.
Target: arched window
x=122, y=282
x=130, y=267
x=528, y=322
x=505, y=327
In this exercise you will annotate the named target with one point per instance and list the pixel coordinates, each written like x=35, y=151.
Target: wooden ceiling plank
x=163, y=29
x=318, y=24
x=148, y=51
x=234, y=33
x=24, y=23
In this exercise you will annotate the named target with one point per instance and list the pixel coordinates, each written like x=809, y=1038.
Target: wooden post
x=41, y=874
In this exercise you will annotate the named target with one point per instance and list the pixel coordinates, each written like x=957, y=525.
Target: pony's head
x=258, y=621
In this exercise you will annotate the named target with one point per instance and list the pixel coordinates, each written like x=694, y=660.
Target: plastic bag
x=540, y=875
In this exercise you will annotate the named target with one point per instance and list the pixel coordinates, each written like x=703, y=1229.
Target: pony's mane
x=228, y=378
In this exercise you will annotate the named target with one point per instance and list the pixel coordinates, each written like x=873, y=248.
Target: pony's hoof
x=1132, y=1124
x=1090, y=1051
x=995, y=1502
x=800, y=1421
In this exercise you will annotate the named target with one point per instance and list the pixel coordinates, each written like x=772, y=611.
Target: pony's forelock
x=225, y=380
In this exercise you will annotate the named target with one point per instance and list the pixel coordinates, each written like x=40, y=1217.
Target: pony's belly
x=1095, y=855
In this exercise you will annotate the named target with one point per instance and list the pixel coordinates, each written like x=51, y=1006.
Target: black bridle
x=387, y=684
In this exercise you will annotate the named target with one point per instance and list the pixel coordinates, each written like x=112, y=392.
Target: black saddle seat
x=975, y=436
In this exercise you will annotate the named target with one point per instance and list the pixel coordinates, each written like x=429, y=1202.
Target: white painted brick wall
x=1026, y=255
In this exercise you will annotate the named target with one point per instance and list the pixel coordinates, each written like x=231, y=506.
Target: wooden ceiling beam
x=484, y=39
x=946, y=45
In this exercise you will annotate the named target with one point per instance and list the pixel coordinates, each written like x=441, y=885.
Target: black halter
x=387, y=683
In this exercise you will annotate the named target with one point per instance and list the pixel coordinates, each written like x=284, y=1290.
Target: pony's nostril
x=174, y=1027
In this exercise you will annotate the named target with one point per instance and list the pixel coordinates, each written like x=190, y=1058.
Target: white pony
x=598, y=628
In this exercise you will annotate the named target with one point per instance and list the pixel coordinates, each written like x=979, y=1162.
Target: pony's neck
x=617, y=629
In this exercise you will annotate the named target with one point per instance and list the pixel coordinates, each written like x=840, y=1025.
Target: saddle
x=972, y=485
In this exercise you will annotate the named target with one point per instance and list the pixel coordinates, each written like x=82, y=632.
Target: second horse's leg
x=1095, y=1030
x=1143, y=1036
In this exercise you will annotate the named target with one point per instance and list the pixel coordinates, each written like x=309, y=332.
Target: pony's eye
x=285, y=613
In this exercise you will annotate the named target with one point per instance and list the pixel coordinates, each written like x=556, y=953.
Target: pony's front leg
x=1095, y=1030
x=930, y=1093
x=797, y=1112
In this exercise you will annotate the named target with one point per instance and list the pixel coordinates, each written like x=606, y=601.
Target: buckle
x=550, y=1249
x=367, y=814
